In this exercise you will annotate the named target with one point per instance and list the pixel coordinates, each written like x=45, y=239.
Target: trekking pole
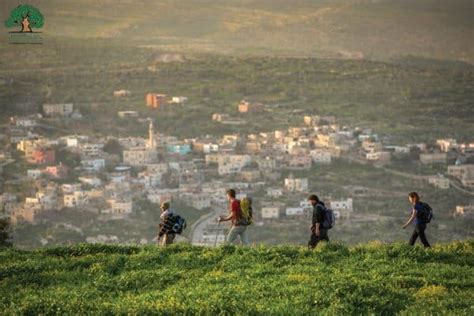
x=215, y=241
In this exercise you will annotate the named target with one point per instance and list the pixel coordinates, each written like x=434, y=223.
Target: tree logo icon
x=25, y=18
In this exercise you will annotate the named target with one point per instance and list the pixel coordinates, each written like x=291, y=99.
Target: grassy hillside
x=344, y=28
x=333, y=279
x=94, y=47
x=391, y=98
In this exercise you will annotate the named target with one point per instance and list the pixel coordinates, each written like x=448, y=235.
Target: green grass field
x=334, y=279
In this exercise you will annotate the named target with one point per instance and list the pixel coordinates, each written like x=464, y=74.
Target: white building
x=343, y=207
x=72, y=142
x=93, y=164
x=69, y=188
x=299, y=162
x=281, y=147
x=321, y=156
x=25, y=122
x=267, y=163
x=77, y=198
x=179, y=99
x=296, y=184
x=274, y=192
x=439, y=182
x=149, y=180
x=139, y=156
x=160, y=168
x=227, y=169
x=92, y=181
x=305, y=204
x=270, y=212
x=120, y=207
x=294, y=211
x=64, y=109
x=33, y=173
x=90, y=149
x=398, y=149
x=381, y=157
x=210, y=148
x=231, y=164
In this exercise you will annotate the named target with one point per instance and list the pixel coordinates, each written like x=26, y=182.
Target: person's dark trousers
x=419, y=231
x=314, y=240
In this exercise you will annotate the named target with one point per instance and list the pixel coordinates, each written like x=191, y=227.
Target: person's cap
x=165, y=205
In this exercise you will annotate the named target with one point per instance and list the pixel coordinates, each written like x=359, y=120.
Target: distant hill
x=333, y=279
x=353, y=29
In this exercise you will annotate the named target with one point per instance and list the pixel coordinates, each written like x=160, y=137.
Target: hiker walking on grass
x=237, y=218
x=421, y=215
x=322, y=220
x=166, y=225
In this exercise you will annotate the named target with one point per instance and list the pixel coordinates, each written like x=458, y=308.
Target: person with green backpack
x=240, y=218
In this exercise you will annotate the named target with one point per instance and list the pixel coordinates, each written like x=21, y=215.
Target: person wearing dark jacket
x=318, y=231
x=420, y=223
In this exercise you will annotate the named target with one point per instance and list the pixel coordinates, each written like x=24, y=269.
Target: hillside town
x=107, y=175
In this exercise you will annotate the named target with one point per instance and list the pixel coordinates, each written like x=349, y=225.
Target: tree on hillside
x=113, y=147
x=26, y=16
x=5, y=233
x=70, y=159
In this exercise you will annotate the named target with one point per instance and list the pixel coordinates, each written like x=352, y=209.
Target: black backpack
x=329, y=218
x=426, y=213
x=179, y=224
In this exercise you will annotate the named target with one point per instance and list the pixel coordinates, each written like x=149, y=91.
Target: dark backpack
x=179, y=224
x=425, y=214
x=329, y=218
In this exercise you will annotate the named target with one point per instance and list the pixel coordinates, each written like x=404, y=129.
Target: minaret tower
x=151, y=136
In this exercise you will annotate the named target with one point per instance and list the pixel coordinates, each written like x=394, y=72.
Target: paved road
x=206, y=222
x=458, y=187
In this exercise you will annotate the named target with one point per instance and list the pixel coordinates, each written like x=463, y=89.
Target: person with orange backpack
x=239, y=218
